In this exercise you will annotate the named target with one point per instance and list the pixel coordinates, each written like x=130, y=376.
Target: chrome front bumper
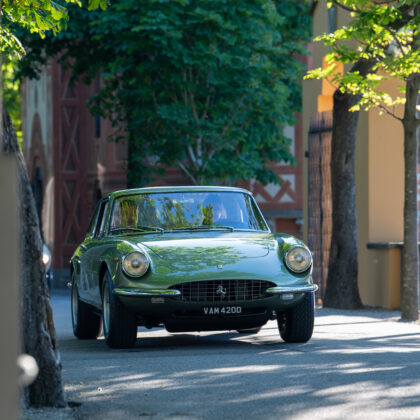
x=278, y=290
x=147, y=292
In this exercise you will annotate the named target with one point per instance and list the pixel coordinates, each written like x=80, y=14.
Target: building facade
x=379, y=172
x=71, y=164
x=69, y=161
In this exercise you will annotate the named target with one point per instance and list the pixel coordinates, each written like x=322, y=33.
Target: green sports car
x=191, y=259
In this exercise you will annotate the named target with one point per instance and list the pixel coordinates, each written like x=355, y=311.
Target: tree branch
x=199, y=150
x=210, y=156
x=225, y=128
x=349, y=9
x=394, y=35
x=192, y=103
x=387, y=111
x=186, y=172
x=233, y=117
x=206, y=105
x=192, y=156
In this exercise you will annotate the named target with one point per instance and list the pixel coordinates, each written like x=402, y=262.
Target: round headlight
x=135, y=264
x=298, y=259
x=46, y=257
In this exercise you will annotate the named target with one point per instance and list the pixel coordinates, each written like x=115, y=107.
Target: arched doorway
x=37, y=165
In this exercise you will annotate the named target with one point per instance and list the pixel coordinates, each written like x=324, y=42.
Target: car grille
x=222, y=290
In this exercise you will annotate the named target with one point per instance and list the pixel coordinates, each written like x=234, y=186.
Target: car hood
x=215, y=255
x=199, y=246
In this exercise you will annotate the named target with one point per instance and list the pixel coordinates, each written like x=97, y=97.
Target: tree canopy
x=16, y=20
x=207, y=86
x=37, y=17
x=11, y=94
x=387, y=34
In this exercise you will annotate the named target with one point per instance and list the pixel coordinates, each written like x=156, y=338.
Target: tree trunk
x=38, y=332
x=342, y=289
x=137, y=171
x=410, y=256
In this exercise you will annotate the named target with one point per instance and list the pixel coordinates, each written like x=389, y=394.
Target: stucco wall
x=37, y=119
x=386, y=175
x=37, y=99
x=380, y=198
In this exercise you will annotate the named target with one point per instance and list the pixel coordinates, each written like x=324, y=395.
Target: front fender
x=112, y=260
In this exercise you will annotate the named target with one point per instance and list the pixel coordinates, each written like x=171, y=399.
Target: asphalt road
x=358, y=365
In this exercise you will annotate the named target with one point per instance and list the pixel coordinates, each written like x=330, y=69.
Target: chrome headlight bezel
x=292, y=264
x=128, y=259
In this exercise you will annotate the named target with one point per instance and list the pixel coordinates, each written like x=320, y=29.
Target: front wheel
x=119, y=325
x=296, y=324
x=86, y=323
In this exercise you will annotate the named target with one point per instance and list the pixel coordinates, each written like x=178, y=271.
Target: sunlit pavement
x=358, y=365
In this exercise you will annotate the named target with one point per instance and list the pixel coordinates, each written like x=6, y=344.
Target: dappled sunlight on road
x=360, y=365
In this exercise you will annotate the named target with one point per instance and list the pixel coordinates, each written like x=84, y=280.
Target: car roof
x=190, y=188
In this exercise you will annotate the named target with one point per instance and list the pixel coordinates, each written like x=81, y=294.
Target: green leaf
x=383, y=32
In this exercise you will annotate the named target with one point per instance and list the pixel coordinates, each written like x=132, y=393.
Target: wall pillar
x=9, y=315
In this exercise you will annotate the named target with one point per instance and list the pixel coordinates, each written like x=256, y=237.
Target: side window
x=100, y=219
x=103, y=219
x=92, y=223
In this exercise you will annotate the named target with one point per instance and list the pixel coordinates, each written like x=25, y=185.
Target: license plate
x=222, y=310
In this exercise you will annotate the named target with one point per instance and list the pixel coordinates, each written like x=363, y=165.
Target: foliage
x=35, y=16
x=207, y=86
x=11, y=94
x=386, y=33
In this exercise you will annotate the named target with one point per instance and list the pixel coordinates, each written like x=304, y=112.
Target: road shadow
x=361, y=365
x=197, y=376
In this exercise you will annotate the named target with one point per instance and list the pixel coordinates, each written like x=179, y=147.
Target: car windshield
x=185, y=210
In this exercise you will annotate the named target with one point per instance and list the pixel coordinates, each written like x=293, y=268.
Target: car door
x=89, y=264
x=80, y=257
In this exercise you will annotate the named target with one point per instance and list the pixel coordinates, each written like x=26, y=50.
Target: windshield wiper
x=203, y=227
x=141, y=229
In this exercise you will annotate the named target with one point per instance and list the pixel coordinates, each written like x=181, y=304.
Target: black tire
x=250, y=331
x=297, y=324
x=119, y=325
x=86, y=323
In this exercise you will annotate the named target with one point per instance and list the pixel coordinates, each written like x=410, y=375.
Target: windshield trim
x=174, y=232
x=108, y=229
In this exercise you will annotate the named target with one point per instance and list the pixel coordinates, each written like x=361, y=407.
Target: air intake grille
x=222, y=290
